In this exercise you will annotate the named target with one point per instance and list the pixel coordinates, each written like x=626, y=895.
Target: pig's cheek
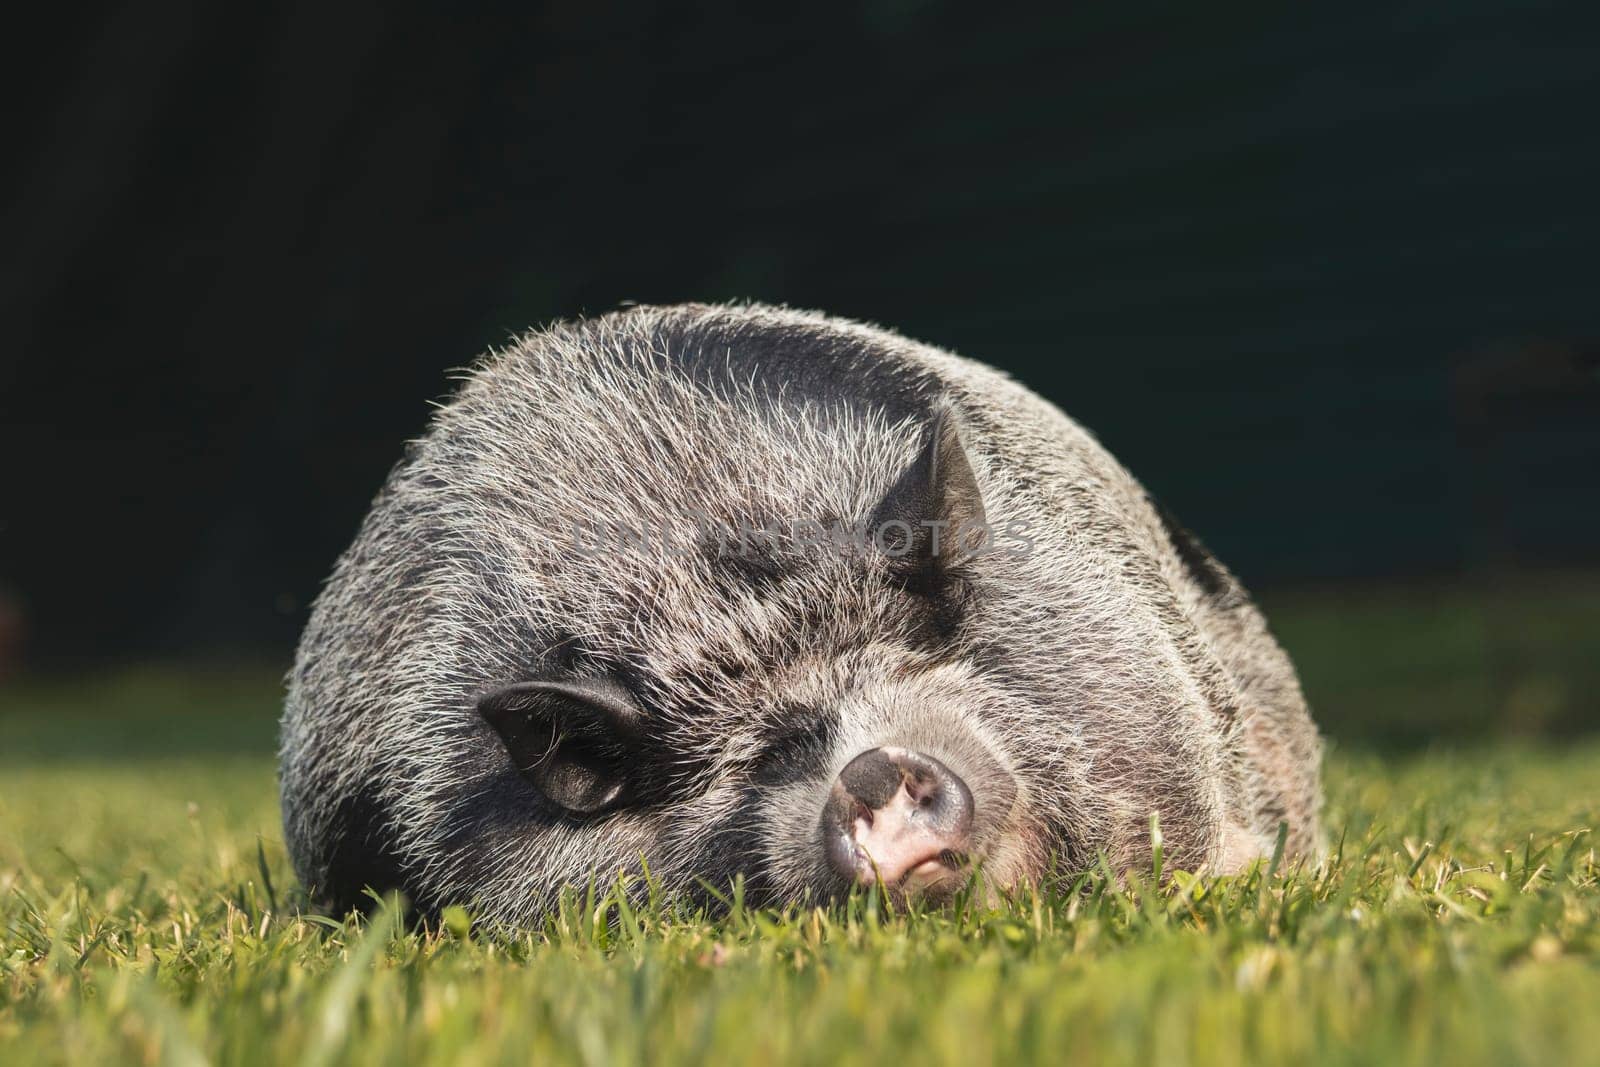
x=1017, y=857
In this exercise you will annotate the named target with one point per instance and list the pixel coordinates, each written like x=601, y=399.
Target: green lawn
x=148, y=913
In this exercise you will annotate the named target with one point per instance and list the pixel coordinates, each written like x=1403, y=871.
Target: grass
x=1409, y=665
x=148, y=914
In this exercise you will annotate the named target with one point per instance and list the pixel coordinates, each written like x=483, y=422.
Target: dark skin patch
x=872, y=778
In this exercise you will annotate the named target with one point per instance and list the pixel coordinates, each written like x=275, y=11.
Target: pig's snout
x=900, y=817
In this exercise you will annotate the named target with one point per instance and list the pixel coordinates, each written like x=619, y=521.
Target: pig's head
x=812, y=716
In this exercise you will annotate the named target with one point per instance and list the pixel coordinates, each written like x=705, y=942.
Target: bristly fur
x=1113, y=671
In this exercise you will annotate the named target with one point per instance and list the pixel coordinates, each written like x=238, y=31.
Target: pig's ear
x=570, y=738
x=936, y=501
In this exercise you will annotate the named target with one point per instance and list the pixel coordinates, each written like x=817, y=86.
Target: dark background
x=1325, y=281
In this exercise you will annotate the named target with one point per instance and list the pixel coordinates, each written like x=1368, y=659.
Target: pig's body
x=1095, y=667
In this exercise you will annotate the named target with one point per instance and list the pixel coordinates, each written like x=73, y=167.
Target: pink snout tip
x=898, y=817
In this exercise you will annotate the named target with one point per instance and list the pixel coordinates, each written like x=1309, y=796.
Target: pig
x=744, y=591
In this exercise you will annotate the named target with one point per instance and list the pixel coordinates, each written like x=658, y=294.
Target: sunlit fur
x=1112, y=672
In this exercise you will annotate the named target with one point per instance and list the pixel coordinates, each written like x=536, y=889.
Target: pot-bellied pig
x=749, y=591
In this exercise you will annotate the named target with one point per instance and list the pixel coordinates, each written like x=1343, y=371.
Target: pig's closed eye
x=793, y=752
